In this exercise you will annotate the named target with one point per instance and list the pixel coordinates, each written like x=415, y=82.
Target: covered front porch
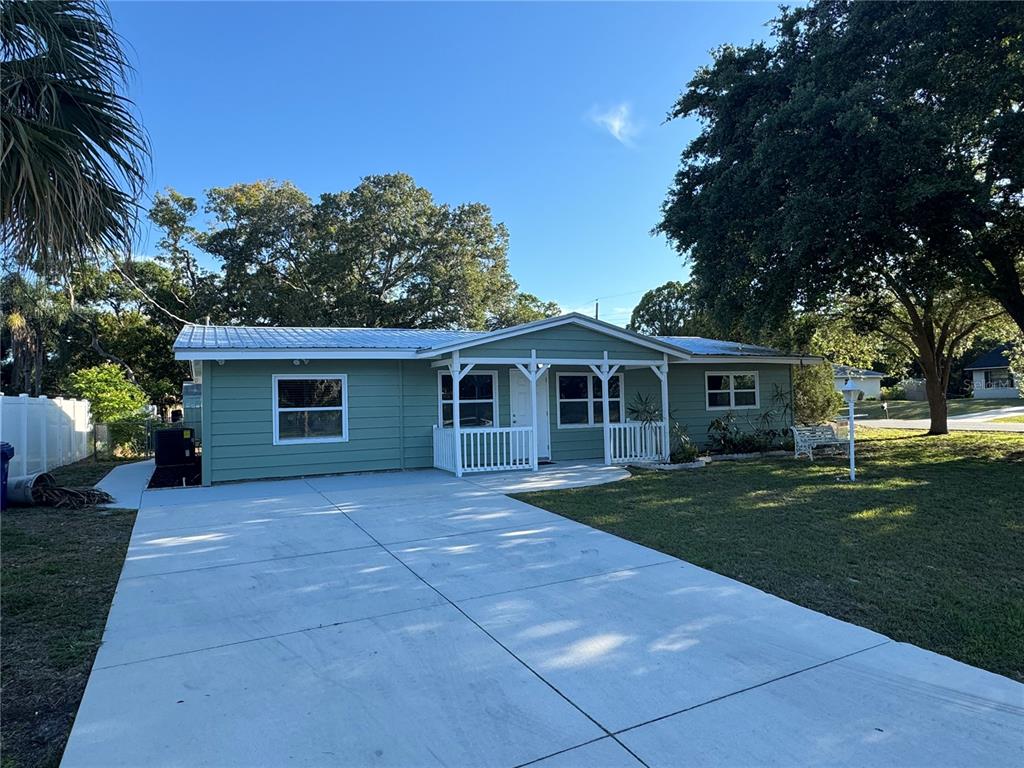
x=551, y=406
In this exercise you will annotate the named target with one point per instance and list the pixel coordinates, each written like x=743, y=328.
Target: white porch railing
x=485, y=449
x=635, y=441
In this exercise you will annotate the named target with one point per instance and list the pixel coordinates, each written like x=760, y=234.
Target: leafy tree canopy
x=111, y=395
x=383, y=254
x=872, y=154
x=668, y=310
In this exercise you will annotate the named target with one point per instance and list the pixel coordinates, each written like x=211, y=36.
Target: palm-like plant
x=74, y=154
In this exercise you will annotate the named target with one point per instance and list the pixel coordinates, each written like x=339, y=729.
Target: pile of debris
x=42, y=491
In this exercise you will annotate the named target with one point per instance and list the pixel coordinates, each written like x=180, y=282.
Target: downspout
x=401, y=414
x=206, y=419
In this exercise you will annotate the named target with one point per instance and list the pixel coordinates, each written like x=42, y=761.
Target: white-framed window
x=478, y=399
x=579, y=400
x=998, y=378
x=731, y=390
x=310, y=408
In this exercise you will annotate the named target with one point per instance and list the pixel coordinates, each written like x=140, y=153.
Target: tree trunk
x=936, y=390
x=936, y=378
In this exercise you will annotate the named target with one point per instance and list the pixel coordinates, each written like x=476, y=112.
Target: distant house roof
x=211, y=342
x=994, y=358
x=849, y=372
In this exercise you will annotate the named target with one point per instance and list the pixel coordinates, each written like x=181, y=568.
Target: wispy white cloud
x=617, y=120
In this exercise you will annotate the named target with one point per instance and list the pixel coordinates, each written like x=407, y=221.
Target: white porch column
x=534, y=378
x=532, y=374
x=661, y=371
x=456, y=369
x=604, y=373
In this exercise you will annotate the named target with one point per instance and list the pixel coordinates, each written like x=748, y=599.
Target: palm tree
x=74, y=154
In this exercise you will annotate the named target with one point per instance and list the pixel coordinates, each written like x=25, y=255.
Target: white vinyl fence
x=45, y=433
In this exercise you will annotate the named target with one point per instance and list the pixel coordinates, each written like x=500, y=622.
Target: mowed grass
x=926, y=547
x=915, y=409
x=1009, y=420
x=59, y=570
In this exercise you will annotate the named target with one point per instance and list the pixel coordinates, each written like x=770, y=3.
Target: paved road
x=955, y=425
x=983, y=421
x=412, y=619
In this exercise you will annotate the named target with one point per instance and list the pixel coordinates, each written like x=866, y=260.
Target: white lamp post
x=850, y=393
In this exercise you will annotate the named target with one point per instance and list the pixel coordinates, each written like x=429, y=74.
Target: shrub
x=683, y=449
x=815, y=399
x=895, y=392
x=110, y=394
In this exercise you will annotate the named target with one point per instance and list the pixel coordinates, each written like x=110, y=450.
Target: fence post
x=44, y=404
x=61, y=432
x=23, y=447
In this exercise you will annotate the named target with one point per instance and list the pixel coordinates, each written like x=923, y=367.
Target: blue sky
x=551, y=114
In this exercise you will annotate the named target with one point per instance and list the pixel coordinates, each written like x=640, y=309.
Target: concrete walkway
x=126, y=484
x=413, y=619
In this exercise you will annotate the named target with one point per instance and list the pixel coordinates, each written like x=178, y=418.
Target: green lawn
x=59, y=570
x=926, y=547
x=1009, y=420
x=915, y=409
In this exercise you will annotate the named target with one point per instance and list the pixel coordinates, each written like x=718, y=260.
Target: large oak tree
x=874, y=153
x=383, y=254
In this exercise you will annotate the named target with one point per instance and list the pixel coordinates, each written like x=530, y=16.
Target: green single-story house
x=289, y=402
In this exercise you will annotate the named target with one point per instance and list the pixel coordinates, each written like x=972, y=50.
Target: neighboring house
x=991, y=374
x=287, y=402
x=869, y=382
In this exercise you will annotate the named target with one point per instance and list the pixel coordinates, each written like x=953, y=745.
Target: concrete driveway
x=412, y=619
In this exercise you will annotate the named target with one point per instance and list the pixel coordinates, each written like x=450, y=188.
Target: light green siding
x=393, y=406
x=564, y=341
x=687, y=398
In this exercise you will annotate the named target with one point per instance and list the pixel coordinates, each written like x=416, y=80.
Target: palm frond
x=73, y=157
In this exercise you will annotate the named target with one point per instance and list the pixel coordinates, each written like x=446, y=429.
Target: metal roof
x=856, y=373
x=994, y=358
x=263, y=341
x=697, y=345
x=209, y=337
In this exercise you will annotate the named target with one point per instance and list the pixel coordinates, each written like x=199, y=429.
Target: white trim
x=549, y=361
x=732, y=391
x=572, y=318
x=591, y=424
x=275, y=411
x=474, y=372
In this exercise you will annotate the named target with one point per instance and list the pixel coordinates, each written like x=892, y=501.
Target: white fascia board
x=553, y=322
x=295, y=354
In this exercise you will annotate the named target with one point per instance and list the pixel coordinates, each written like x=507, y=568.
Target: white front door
x=522, y=411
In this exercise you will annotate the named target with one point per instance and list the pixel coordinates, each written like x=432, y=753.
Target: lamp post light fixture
x=850, y=393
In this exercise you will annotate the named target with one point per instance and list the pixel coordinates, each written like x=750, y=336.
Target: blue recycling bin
x=6, y=454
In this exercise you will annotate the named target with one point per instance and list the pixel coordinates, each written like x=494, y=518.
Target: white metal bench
x=806, y=439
